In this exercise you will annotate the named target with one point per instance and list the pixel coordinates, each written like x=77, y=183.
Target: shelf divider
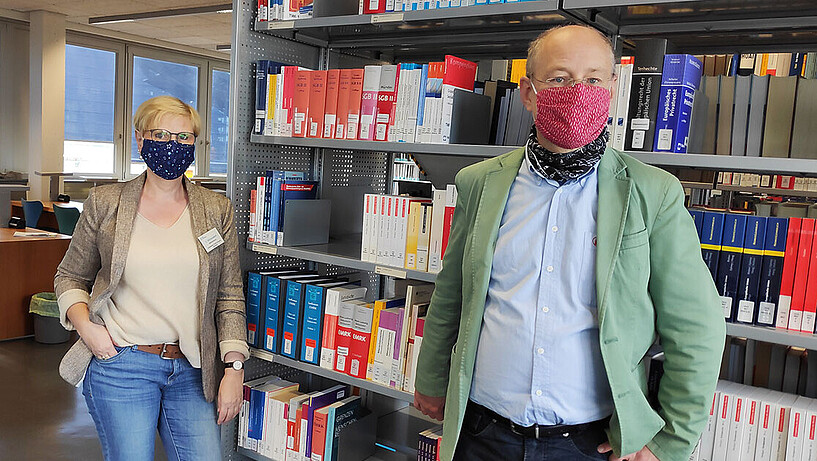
x=773, y=335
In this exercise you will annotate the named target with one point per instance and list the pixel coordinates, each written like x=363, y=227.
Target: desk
x=29, y=265
x=47, y=219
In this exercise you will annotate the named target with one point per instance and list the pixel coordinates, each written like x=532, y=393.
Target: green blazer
x=650, y=282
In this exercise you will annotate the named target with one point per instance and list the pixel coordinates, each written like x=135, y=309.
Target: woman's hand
x=230, y=395
x=96, y=337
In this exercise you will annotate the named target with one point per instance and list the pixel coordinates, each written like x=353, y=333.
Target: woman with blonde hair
x=152, y=284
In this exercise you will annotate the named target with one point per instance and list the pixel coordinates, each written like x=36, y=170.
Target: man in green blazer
x=566, y=260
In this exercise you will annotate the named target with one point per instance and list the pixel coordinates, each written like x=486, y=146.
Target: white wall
x=14, y=95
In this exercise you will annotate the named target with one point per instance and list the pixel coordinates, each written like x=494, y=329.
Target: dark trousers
x=483, y=439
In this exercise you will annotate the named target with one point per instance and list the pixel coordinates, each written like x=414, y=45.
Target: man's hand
x=643, y=454
x=433, y=407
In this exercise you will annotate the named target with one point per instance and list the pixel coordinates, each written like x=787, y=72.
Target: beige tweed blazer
x=96, y=259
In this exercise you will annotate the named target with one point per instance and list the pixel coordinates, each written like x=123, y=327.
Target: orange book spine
x=317, y=103
x=331, y=112
x=353, y=106
x=344, y=86
x=300, y=103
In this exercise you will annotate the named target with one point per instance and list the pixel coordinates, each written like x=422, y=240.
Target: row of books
x=778, y=64
x=772, y=181
x=405, y=103
x=268, y=203
x=284, y=10
x=278, y=421
x=407, y=232
x=324, y=321
x=748, y=423
x=788, y=369
x=764, y=267
x=429, y=447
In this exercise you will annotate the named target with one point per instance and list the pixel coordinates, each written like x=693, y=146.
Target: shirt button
x=545, y=309
x=555, y=229
x=538, y=393
x=540, y=351
x=550, y=268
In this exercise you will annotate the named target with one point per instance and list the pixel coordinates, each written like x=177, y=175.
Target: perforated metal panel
x=248, y=160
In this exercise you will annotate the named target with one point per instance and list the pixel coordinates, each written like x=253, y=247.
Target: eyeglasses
x=184, y=137
x=569, y=82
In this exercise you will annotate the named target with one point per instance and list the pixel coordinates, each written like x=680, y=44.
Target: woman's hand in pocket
x=97, y=338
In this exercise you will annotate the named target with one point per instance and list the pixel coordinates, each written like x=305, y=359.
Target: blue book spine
x=313, y=319
x=256, y=426
x=422, y=102
x=750, y=268
x=344, y=416
x=774, y=249
x=292, y=320
x=698, y=218
x=273, y=319
x=261, y=69
x=253, y=306
x=711, y=238
x=734, y=230
x=277, y=180
x=680, y=78
x=330, y=434
x=734, y=65
x=796, y=66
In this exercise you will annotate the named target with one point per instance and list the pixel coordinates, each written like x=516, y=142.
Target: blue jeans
x=482, y=439
x=133, y=393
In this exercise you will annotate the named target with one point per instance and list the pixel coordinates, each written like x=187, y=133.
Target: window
x=153, y=77
x=219, y=110
x=90, y=103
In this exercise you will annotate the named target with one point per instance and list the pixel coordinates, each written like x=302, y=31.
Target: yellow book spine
x=413, y=235
x=518, y=69
x=270, y=118
x=379, y=305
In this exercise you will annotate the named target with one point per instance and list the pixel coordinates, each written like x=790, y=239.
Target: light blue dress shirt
x=538, y=359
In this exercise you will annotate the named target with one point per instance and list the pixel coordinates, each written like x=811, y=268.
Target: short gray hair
x=533, y=48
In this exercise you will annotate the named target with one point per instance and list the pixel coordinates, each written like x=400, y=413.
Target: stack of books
x=282, y=423
x=765, y=268
x=749, y=423
x=325, y=321
x=268, y=203
x=407, y=232
x=429, y=448
x=284, y=10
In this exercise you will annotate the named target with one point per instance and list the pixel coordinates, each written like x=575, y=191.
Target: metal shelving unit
x=769, y=191
x=334, y=375
x=380, y=455
x=348, y=169
x=773, y=335
x=345, y=252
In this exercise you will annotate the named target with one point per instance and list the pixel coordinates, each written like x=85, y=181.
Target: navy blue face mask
x=168, y=160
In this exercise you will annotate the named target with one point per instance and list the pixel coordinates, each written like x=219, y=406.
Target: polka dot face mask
x=168, y=160
x=572, y=116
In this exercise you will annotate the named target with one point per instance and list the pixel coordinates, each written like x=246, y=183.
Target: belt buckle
x=164, y=350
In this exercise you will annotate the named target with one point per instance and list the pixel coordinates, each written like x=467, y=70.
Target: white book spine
x=403, y=235
x=810, y=434
x=780, y=434
x=394, y=232
x=783, y=308
x=725, y=409
x=446, y=113
x=736, y=428
x=765, y=431
x=750, y=432
x=436, y=241
x=374, y=232
x=794, y=443
x=364, y=244
x=708, y=436
x=385, y=228
x=622, y=107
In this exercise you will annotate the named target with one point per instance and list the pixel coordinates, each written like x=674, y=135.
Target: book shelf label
x=390, y=272
x=278, y=25
x=271, y=250
x=388, y=17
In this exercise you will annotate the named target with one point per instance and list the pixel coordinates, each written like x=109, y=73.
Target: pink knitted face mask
x=572, y=116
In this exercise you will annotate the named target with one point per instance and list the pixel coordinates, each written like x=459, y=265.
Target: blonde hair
x=151, y=111
x=533, y=48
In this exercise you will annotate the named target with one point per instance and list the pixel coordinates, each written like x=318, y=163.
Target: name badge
x=210, y=240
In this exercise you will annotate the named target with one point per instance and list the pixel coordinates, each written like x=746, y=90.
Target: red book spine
x=317, y=103
x=319, y=435
x=459, y=73
x=359, y=353
x=344, y=87
x=374, y=6
x=331, y=111
x=343, y=340
x=353, y=105
x=253, y=197
x=810, y=302
x=296, y=432
x=798, y=296
x=287, y=99
x=300, y=103
x=787, y=278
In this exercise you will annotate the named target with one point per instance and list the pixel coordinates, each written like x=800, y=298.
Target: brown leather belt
x=165, y=351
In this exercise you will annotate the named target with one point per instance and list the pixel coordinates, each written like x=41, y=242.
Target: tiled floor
x=42, y=418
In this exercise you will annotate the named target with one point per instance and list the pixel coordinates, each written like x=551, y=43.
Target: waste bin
x=47, y=327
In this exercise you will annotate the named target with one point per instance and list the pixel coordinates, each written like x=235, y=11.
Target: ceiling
x=203, y=30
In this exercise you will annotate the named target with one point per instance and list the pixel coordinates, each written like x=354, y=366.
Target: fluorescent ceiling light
x=221, y=8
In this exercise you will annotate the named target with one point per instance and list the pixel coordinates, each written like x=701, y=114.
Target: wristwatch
x=237, y=365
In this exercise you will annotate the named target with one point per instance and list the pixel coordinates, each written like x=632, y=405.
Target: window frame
x=212, y=67
x=87, y=41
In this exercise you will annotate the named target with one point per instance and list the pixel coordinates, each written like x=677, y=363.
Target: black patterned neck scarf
x=568, y=166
